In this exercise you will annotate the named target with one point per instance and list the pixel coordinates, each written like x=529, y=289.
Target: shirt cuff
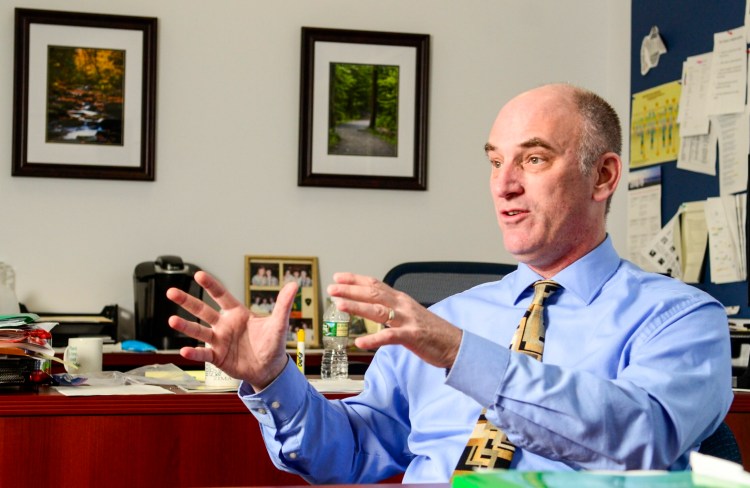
x=479, y=368
x=279, y=401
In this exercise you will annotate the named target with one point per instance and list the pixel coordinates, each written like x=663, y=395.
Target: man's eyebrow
x=533, y=142
x=537, y=142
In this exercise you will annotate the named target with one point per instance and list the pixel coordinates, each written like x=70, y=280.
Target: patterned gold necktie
x=488, y=446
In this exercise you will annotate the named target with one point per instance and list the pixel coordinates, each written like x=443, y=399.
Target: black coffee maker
x=152, y=307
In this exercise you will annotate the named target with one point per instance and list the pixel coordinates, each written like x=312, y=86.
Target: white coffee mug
x=217, y=377
x=86, y=352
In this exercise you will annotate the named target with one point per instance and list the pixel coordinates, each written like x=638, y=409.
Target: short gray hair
x=600, y=130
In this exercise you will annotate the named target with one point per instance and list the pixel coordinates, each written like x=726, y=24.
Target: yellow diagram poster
x=654, y=132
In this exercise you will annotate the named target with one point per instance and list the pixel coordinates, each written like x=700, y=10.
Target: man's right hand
x=243, y=345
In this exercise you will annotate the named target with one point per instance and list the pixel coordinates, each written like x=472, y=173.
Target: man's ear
x=608, y=172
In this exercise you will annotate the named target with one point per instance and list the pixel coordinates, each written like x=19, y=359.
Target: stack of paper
x=22, y=335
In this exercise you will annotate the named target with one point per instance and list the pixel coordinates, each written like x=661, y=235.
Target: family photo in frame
x=266, y=275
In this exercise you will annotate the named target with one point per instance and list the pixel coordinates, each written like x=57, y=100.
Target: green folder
x=584, y=479
x=17, y=319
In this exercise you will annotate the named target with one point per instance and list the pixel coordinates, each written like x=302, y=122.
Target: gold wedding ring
x=391, y=316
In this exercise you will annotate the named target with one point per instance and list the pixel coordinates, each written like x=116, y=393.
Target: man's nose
x=505, y=181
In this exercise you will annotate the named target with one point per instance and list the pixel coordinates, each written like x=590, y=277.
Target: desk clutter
x=102, y=324
x=26, y=352
x=26, y=358
x=155, y=379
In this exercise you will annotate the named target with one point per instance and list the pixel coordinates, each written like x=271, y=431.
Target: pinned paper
x=680, y=246
x=654, y=131
x=698, y=154
x=693, y=239
x=664, y=250
x=728, y=77
x=652, y=48
x=696, y=76
x=644, y=212
x=734, y=145
x=725, y=217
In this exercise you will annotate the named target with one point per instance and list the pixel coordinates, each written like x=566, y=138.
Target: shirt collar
x=584, y=278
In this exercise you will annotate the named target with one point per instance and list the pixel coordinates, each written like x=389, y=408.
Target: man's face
x=543, y=203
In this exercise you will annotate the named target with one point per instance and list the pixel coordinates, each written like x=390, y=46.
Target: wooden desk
x=125, y=361
x=160, y=440
x=151, y=440
x=738, y=419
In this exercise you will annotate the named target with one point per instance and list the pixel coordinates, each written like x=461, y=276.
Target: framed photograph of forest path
x=363, y=109
x=264, y=278
x=84, y=103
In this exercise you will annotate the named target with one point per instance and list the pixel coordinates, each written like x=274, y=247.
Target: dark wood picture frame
x=37, y=31
x=321, y=50
x=266, y=275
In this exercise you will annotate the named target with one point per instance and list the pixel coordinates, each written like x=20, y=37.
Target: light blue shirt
x=636, y=372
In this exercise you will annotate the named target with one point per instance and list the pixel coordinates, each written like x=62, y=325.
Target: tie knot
x=543, y=289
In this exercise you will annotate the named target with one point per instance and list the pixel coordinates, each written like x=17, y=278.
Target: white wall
x=227, y=138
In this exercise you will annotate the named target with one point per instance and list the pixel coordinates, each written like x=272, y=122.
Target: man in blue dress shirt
x=636, y=368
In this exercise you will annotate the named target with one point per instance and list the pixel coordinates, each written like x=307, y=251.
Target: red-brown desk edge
x=138, y=440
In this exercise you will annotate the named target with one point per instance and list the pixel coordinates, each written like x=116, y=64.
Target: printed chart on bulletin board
x=671, y=39
x=655, y=134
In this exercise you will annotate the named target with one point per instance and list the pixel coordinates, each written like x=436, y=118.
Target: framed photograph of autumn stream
x=363, y=109
x=84, y=95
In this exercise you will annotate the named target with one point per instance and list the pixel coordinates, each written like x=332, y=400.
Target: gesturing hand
x=409, y=324
x=243, y=345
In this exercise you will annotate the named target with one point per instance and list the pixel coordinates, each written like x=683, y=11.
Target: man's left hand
x=408, y=323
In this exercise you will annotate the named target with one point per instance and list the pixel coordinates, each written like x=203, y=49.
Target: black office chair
x=428, y=282
x=722, y=444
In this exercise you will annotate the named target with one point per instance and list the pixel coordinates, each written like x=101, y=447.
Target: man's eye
x=496, y=164
x=535, y=160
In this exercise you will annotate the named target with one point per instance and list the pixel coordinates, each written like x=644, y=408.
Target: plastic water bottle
x=335, y=363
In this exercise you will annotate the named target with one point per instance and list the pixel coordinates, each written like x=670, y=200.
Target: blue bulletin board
x=687, y=28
